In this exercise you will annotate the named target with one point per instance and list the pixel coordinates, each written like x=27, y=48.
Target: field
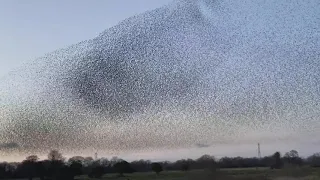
x=225, y=174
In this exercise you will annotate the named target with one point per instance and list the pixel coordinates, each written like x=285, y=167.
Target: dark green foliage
x=75, y=168
x=6, y=170
x=97, y=172
x=64, y=173
x=123, y=167
x=28, y=167
x=41, y=170
x=57, y=169
x=240, y=162
x=314, y=160
x=185, y=166
x=156, y=167
x=206, y=162
x=141, y=166
x=277, y=162
x=54, y=168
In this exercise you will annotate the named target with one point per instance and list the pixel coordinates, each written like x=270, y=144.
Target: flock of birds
x=191, y=72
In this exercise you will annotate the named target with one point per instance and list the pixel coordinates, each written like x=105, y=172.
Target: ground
x=224, y=174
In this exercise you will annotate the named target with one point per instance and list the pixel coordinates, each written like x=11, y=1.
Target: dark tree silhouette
x=5, y=170
x=88, y=161
x=185, y=166
x=141, y=166
x=206, y=162
x=314, y=160
x=76, y=159
x=277, y=164
x=156, y=167
x=28, y=167
x=97, y=172
x=292, y=157
x=32, y=158
x=41, y=170
x=2, y=171
x=75, y=168
x=123, y=167
x=55, y=155
x=56, y=166
x=292, y=154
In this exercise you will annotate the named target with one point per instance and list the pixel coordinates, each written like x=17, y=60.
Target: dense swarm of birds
x=191, y=72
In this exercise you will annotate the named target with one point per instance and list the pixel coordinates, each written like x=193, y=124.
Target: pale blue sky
x=30, y=29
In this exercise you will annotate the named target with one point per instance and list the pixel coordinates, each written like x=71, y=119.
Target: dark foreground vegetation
x=56, y=167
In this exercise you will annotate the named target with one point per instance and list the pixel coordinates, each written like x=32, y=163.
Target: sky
x=30, y=29
x=196, y=77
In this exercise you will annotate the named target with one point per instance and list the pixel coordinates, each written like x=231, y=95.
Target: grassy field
x=225, y=174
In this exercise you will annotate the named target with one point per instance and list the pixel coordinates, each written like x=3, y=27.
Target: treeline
x=56, y=167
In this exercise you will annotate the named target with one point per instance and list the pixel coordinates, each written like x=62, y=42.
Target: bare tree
x=314, y=160
x=293, y=158
x=55, y=155
x=76, y=159
x=291, y=154
x=32, y=158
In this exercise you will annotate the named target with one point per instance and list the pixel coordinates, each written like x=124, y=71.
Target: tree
x=97, y=172
x=291, y=154
x=114, y=160
x=41, y=170
x=55, y=155
x=76, y=159
x=87, y=161
x=156, y=167
x=277, y=164
x=185, y=166
x=5, y=171
x=64, y=173
x=76, y=165
x=141, y=165
x=123, y=167
x=206, y=162
x=56, y=166
x=75, y=168
x=314, y=160
x=28, y=167
x=32, y=158
x=104, y=162
x=292, y=157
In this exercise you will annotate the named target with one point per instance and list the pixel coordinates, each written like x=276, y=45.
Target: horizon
x=244, y=152
x=130, y=159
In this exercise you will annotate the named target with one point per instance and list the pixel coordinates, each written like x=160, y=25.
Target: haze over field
x=190, y=77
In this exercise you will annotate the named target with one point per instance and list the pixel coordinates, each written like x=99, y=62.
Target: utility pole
x=259, y=156
x=259, y=152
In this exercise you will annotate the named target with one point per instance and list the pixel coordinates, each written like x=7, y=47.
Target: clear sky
x=30, y=29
